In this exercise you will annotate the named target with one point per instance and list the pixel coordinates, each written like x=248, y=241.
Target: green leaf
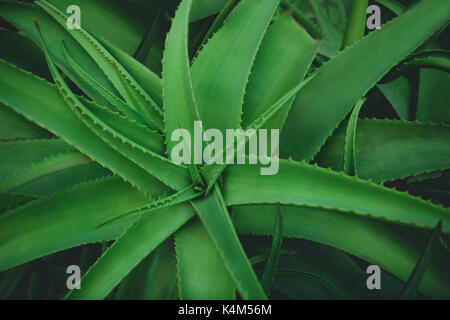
x=201, y=272
x=315, y=115
x=356, y=26
x=323, y=267
x=416, y=277
x=398, y=93
x=385, y=149
x=320, y=187
x=160, y=167
x=285, y=56
x=220, y=20
x=22, y=52
x=302, y=19
x=21, y=15
x=394, y=249
x=393, y=5
x=112, y=21
x=180, y=110
x=63, y=180
x=331, y=33
x=350, y=140
x=129, y=250
x=215, y=218
x=272, y=262
x=25, y=156
x=212, y=172
x=148, y=80
x=31, y=96
x=106, y=97
x=433, y=103
x=155, y=278
x=116, y=73
x=164, y=201
x=134, y=132
x=429, y=59
x=18, y=155
x=13, y=126
x=65, y=219
x=205, y=8
x=222, y=69
x=44, y=168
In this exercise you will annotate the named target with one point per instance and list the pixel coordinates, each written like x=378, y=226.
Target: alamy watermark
x=374, y=20
x=74, y=280
x=74, y=20
x=231, y=150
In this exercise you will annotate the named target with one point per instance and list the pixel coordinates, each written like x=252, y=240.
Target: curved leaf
x=222, y=69
x=315, y=115
x=129, y=250
x=31, y=96
x=201, y=273
x=307, y=185
x=66, y=219
x=391, y=149
x=393, y=249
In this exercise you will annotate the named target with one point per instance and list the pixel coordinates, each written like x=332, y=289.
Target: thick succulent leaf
x=11, y=201
x=215, y=218
x=315, y=115
x=21, y=15
x=31, y=96
x=398, y=93
x=409, y=292
x=212, y=172
x=66, y=219
x=393, y=249
x=222, y=69
x=356, y=26
x=320, y=187
x=285, y=56
x=272, y=262
x=162, y=202
x=393, y=5
x=220, y=19
x=429, y=59
x=18, y=155
x=41, y=169
x=19, y=50
x=324, y=21
x=149, y=81
x=103, y=96
x=324, y=267
x=129, y=250
x=180, y=110
x=155, y=278
x=158, y=21
x=160, y=167
x=172, y=175
x=112, y=21
x=434, y=102
x=205, y=8
x=13, y=126
x=201, y=272
x=302, y=19
x=134, y=132
x=63, y=179
x=116, y=73
x=391, y=149
x=350, y=143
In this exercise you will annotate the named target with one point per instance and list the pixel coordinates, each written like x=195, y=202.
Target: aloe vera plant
x=88, y=177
